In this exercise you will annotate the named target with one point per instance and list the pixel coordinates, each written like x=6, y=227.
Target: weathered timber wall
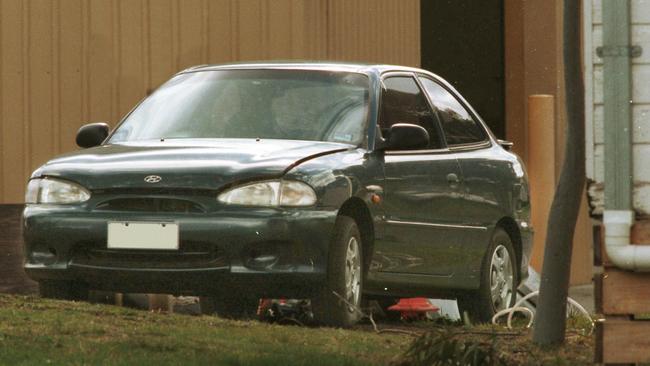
x=64, y=63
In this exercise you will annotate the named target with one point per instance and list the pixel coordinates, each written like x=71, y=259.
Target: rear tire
x=231, y=307
x=63, y=290
x=344, y=277
x=499, y=279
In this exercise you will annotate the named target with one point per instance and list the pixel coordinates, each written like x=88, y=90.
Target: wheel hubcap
x=501, y=278
x=353, y=274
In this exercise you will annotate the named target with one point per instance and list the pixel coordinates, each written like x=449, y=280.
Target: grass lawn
x=38, y=332
x=34, y=331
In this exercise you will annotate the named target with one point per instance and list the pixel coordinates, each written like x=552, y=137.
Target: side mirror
x=406, y=136
x=92, y=134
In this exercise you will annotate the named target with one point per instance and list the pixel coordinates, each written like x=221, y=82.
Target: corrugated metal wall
x=64, y=63
x=639, y=35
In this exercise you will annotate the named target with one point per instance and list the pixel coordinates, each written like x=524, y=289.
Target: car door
x=421, y=189
x=467, y=138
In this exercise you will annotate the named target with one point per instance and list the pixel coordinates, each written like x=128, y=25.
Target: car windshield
x=267, y=104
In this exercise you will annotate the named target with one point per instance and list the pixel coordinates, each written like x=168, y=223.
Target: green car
x=322, y=181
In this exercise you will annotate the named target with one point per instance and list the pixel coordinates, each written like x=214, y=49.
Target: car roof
x=374, y=71
x=363, y=68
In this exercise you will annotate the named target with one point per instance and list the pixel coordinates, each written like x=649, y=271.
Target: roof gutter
x=618, y=215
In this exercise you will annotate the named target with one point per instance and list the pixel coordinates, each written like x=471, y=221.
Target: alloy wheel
x=353, y=274
x=501, y=278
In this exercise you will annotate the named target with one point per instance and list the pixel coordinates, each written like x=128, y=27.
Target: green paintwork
x=440, y=253
x=417, y=190
x=617, y=109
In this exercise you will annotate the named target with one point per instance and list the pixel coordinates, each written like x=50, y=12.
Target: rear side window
x=402, y=101
x=457, y=123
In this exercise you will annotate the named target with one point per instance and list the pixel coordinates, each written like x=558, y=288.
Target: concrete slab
x=584, y=295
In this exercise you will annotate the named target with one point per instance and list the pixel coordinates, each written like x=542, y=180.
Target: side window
x=402, y=101
x=457, y=124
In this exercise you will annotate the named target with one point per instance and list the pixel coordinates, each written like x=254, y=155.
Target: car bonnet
x=193, y=164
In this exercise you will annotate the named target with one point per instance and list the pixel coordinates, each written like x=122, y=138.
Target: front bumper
x=269, y=252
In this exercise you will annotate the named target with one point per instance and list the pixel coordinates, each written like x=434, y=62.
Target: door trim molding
x=416, y=223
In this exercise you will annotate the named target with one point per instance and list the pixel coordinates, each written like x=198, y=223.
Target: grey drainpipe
x=618, y=215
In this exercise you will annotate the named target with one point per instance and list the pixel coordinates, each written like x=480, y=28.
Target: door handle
x=452, y=179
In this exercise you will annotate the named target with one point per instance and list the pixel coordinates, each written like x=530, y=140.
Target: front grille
x=190, y=255
x=156, y=191
x=157, y=205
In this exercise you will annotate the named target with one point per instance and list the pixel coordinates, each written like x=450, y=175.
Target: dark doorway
x=462, y=41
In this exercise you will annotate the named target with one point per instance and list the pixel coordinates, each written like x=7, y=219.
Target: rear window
x=457, y=123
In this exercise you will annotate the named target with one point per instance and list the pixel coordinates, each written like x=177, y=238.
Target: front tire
x=499, y=279
x=344, y=278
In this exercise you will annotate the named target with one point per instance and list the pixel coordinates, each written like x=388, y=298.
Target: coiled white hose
x=531, y=316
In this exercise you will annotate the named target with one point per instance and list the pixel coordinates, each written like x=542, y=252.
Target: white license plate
x=142, y=235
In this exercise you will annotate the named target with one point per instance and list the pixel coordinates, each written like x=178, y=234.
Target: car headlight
x=49, y=190
x=271, y=193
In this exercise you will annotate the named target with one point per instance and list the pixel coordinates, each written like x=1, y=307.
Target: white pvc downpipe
x=617, y=242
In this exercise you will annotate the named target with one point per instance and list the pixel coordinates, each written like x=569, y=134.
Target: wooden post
x=541, y=168
x=542, y=163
